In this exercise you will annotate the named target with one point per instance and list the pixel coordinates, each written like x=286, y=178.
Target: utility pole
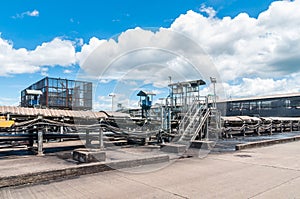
x=214, y=81
x=112, y=95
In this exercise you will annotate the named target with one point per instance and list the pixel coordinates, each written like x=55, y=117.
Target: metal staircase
x=194, y=123
x=214, y=126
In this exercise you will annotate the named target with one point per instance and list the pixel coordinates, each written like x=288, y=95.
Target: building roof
x=145, y=93
x=262, y=97
x=33, y=92
x=192, y=83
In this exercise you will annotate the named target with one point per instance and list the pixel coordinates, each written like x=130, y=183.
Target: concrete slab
x=266, y=143
x=86, y=156
x=34, y=177
x=173, y=148
x=202, y=144
x=269, y=172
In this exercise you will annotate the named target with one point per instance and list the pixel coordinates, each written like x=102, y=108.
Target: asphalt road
x=269, y=172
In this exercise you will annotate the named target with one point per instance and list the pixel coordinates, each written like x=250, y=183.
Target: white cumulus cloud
x=251, y=51
x=208, y=10
x=67, y=71
x=34, y=13
x=253, y=56
x=140, y=54
x=18, y=61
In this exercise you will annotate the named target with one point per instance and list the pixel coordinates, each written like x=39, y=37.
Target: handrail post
x=101, y=143
x=40, y=143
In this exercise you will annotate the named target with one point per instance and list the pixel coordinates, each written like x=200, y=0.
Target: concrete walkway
x=269, y=172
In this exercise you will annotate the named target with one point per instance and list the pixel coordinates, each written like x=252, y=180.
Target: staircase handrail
x=202, y=122
x=187, y=115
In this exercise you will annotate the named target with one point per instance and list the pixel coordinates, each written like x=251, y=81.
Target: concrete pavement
x=269, y=172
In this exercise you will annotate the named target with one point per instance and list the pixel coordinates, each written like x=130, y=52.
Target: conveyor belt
x=22, y=111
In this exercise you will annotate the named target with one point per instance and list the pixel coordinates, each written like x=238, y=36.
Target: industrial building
x=283, y=105
x=58, y=93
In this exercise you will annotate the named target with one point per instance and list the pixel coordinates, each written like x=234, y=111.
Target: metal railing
x=193, y=121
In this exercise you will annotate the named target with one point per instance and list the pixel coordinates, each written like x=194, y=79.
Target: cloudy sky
x=253, y=48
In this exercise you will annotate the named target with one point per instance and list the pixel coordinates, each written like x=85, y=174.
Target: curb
x=65, y=173
x=265, y=143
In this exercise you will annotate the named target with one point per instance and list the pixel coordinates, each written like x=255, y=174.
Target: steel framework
x=59, y=94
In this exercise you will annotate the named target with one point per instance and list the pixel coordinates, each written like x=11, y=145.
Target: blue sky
x=102, y=19
x=71, y=25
